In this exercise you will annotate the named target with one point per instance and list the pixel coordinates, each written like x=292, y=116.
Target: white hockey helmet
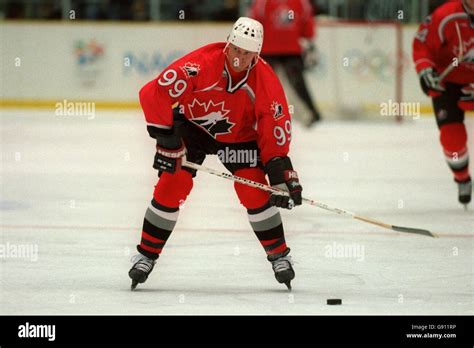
x=247, y=33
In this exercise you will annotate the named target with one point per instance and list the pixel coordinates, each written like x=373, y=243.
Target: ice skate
x=142, y=267
x=282, y=266
x=465, y=192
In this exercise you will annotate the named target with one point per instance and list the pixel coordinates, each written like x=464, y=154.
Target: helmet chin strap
x=225, y=48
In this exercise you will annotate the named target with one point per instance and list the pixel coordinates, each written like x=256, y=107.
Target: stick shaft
x=234, y=178
x=264, y=187
x=305, y=200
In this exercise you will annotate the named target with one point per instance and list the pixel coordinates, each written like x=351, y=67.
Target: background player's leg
x=294, y=69
x=274, y=61
x=453, y=138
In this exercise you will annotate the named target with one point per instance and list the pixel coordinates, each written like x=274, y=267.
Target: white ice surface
x=77, y=188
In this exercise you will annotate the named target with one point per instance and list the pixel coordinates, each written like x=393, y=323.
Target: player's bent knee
x=172, y=189
x=453, y=136
x=251, y=197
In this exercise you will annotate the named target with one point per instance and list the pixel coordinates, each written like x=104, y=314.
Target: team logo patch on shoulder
x=277, y=109
x=191, y=69
x=211, y=117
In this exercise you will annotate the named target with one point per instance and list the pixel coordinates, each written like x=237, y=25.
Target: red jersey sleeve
x=273, y=117
x=426, y=42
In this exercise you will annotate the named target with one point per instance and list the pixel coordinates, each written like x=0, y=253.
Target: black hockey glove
x=281, y=175
x=170, y=150
x=430, y=83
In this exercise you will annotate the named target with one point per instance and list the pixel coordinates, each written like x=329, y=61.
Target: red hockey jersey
x=437, y=42
x=254, y=108
x=284, y=23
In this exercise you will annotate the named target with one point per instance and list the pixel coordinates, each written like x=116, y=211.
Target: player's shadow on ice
x=217, y=291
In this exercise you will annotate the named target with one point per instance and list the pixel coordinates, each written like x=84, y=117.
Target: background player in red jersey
x=441, y=40
x=286, y=22
x=229, y=100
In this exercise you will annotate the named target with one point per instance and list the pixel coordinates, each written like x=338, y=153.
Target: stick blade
x=413, y=230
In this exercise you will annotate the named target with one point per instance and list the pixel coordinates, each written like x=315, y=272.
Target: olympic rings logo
x=375, y=64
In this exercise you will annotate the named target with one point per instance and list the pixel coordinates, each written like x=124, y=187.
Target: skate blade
x=288, y=285
x=134, y=285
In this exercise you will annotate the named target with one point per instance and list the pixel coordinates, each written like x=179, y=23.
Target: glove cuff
x=171, y=153
x=279, y=169
x=290, y=174
x=425, y=71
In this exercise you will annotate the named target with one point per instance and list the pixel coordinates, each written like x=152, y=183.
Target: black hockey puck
x=334, y=301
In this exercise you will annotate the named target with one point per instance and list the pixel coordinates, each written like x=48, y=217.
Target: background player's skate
x=465, y=192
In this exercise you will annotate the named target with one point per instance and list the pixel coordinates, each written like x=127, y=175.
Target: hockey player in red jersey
x=447, y=37
x=286, y=23
x=226, y=100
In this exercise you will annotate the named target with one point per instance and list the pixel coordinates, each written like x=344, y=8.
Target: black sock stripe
x=162, y=207
x=259, y=210
x=154, y=231
x=147, y=253
x=152, y=244
x=274, y=233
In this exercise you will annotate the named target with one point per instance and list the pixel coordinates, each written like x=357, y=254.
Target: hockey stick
x=307, y=201
x=460, y=56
